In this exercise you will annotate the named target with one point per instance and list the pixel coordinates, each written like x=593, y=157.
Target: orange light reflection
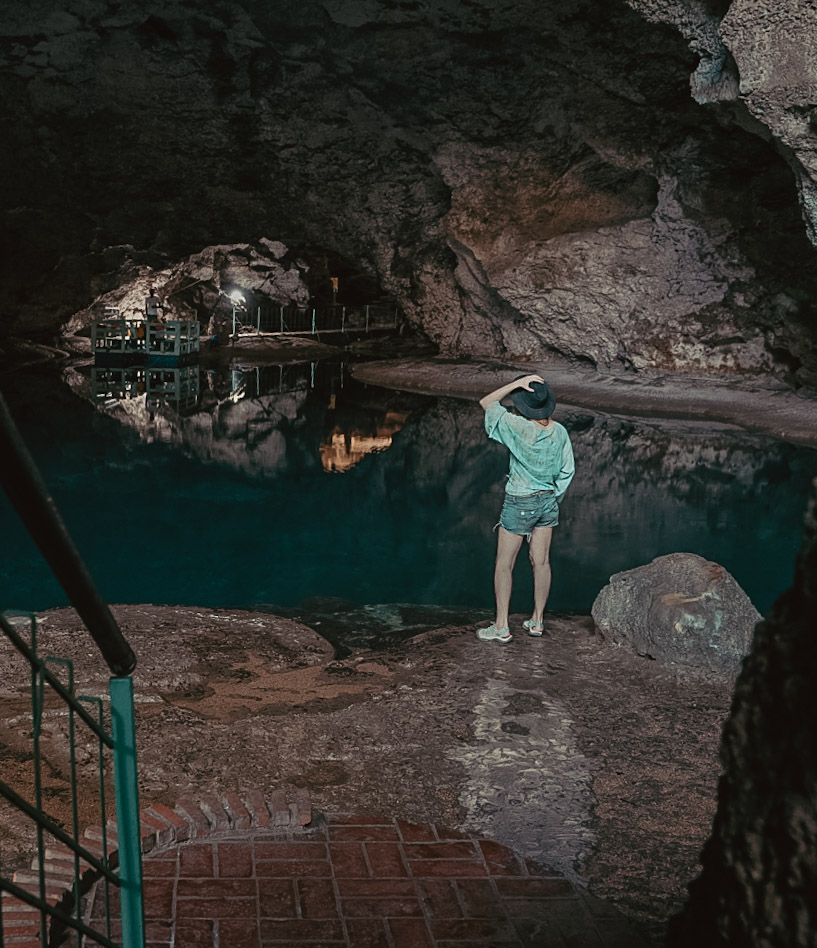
x=342, y=450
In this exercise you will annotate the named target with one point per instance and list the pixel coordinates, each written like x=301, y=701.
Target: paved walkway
x=365, y=882
x=231, y=871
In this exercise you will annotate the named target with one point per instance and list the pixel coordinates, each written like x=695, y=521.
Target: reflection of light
x=236, y=296
x=342, y=451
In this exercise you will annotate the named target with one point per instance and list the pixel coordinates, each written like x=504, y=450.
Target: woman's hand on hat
x=524, y=381
x=527, y=380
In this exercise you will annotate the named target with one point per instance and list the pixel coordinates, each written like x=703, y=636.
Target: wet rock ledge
x=579, y=755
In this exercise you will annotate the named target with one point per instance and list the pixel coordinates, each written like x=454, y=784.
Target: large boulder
x=680, y=609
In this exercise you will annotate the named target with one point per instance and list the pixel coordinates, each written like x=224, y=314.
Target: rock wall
x=530, y=179
x=201, y=284
x=759, y=881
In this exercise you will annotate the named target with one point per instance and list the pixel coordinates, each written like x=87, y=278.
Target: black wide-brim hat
x=536, y=404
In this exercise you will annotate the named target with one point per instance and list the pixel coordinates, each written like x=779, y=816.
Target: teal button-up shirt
x=541, y=458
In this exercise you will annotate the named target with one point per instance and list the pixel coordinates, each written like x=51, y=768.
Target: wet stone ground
x=583, y=757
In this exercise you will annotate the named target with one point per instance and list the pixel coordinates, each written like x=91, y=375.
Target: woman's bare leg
x=539, y=554
x=507, y=546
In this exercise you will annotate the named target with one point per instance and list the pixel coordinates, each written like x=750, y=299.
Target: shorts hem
x=527, y=533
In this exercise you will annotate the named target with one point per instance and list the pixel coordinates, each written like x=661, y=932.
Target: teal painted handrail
x=127, y=812
x=25, y=488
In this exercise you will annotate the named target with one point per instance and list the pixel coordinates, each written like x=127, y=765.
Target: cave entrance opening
x=339, y=298
x=262, y=287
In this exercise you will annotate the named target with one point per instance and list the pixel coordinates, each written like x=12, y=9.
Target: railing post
x=282, y=319
x=367, y=317
x=259, y=319
x=127, y=812
x=313, y=322
x=343, y=320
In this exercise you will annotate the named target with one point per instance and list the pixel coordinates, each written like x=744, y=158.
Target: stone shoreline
x=756, y=404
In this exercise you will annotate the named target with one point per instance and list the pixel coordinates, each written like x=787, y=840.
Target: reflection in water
x=242, y=509
x=342, y=450
x=175, y=410
x=175, y=387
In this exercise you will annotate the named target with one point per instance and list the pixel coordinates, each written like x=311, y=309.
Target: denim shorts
x=523, y=514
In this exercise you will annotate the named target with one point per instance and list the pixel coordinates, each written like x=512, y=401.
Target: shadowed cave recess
x=525, y=179
x=625, y=184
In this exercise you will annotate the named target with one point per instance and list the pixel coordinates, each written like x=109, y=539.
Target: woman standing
x=541, y=470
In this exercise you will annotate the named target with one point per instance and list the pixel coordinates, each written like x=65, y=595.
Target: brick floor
x=365, y=882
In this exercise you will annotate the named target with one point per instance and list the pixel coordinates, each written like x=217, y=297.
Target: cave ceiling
x=622, y=183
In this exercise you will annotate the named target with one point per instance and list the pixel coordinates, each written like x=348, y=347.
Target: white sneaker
x=492, y=634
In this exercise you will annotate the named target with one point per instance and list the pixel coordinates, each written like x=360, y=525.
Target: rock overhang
x=561, y=147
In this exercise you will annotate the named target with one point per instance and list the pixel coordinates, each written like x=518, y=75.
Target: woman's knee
x=505, y=559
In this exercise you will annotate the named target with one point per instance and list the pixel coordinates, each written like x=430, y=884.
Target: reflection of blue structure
x=117, y=341
x=178, y=387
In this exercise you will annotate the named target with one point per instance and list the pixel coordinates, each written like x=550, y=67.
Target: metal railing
x=51, y=680
x=283, y=320
x=153, y=339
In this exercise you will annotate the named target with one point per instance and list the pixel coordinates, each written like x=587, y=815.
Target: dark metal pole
x=29, y=495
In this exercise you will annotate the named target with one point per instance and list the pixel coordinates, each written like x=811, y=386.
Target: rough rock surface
x=680, y=609
x=577, y=755
x=758, y=66
x=525, y=178
x=760, y=876
x=200, y=285
x=775, y=50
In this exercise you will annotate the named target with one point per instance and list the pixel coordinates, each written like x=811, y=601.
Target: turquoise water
x=265, y=485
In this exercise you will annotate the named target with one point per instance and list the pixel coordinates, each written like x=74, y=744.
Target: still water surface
x=270, y=485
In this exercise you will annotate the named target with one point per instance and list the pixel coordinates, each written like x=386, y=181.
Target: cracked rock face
x=775, y=50
x=623, y=184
